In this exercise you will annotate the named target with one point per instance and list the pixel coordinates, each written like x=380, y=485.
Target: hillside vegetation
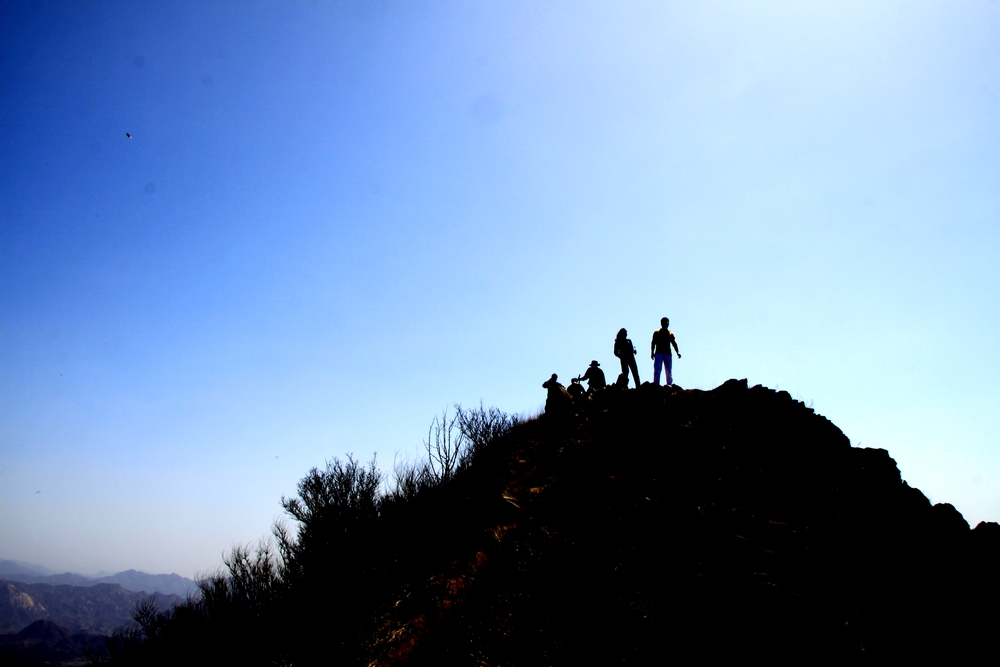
x=652, y=524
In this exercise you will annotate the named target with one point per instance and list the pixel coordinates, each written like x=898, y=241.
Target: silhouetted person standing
x=594, y=377
x=659, y=351
x=625, y=351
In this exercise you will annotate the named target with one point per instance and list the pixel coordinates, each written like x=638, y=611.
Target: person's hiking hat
x=595, y=362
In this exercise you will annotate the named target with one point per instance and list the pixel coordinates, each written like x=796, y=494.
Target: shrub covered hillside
x=654, y=524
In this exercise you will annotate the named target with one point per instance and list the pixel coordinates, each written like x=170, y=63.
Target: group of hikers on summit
x=659, y=351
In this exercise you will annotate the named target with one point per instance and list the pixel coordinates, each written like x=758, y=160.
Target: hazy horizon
x=41, y=570
x=332, y=220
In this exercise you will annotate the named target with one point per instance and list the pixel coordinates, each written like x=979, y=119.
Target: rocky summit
x=659, y=523
x=632, y=527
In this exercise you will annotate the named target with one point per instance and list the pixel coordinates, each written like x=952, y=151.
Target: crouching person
x=558, y=401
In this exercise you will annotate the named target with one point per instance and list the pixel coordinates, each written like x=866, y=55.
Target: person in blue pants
x=659, y=351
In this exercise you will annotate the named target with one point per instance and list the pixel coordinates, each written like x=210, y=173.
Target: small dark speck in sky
x=128, y=135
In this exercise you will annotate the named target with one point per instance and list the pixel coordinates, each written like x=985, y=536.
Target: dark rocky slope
x=735, y=522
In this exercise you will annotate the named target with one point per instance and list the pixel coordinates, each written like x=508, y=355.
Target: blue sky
x=335, y=219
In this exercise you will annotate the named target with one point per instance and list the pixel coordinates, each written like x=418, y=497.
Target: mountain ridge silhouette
x=131, y=580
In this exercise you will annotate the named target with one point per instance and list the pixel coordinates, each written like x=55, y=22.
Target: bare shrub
x=309, y=594
x=444, y=445
x=480, y=427
x=409, y=479
x=251, y=583
x=452, y=442
x=331, y=499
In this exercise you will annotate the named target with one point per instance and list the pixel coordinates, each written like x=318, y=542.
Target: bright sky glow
x=334, y=219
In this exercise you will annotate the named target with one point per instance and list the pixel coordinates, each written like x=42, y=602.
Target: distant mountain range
x=99, y=609
x=130, y=580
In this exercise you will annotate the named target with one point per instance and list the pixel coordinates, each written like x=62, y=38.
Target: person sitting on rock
x=625, y=351
x=558, y=401
x=659, y=351
x=575, y=389
x=594, y=377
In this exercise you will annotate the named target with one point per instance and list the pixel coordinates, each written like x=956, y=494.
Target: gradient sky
x=335, y=219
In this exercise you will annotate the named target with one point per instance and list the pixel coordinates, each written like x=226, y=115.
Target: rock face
x=728, y=523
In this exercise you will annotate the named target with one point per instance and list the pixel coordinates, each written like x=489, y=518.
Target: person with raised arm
x=594, y=377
